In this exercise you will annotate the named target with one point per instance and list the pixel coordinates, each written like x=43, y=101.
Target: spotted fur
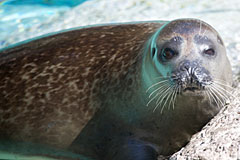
x=51, y=87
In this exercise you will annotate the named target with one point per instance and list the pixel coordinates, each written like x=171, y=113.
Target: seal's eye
x=209, y=52
x=167, y=54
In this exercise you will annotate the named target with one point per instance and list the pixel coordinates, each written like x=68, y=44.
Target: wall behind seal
x=222, y=15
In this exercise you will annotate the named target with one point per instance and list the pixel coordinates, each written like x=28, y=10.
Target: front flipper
x=132, y=149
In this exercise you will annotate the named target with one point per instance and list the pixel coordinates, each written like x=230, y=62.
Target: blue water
x=70, y=3
x=21, y=15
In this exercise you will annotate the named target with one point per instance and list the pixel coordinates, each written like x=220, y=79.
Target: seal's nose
x=188, y=68
x=190, y=75
x=185, y=65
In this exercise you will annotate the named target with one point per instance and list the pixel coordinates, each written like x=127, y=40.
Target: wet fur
x=83, y=90
x=50, y=88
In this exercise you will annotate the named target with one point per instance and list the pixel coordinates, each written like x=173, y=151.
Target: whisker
x=219, y=94
x=220, y=91
x=175, y=97
x=172, y=97
x=156, y=84
x=209, y=97
x=157, y=89
x=223, y=89
x=222, y=84
x=165, y=87
x=217, y=98
x=163, y=95
x=210, y=92
x=166, y=100
x=220, y=80
x=162, y=107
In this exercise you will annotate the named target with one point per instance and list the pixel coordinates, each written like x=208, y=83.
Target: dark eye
x=209, y=52
x=168, y=54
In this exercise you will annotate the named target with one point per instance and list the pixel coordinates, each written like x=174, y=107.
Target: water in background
x=21, y=15
x=22, y=22
x=70, y=3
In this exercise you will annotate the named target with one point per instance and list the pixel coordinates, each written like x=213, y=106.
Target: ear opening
x=153, y=51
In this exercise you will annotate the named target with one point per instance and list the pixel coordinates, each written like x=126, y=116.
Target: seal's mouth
x=191, y=89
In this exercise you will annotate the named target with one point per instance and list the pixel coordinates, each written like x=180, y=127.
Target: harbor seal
x=129, y=91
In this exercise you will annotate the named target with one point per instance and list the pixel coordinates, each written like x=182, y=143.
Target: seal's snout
x=191, y=76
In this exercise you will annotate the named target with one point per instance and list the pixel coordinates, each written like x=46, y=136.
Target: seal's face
x=191, y=56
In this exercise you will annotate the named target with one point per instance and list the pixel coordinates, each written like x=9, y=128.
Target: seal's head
x=188, y=58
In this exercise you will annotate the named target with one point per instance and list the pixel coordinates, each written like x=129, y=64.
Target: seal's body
x=115, y=92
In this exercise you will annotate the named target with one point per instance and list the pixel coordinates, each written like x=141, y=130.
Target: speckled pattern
x=219, y=139
x=50, y=87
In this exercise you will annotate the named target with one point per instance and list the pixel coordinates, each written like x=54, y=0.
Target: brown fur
x=49, y=87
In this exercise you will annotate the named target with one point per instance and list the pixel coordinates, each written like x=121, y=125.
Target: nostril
x=191, y=75
x=185, y=66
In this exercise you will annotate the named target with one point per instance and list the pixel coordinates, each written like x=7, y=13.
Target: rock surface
x=219, y=139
